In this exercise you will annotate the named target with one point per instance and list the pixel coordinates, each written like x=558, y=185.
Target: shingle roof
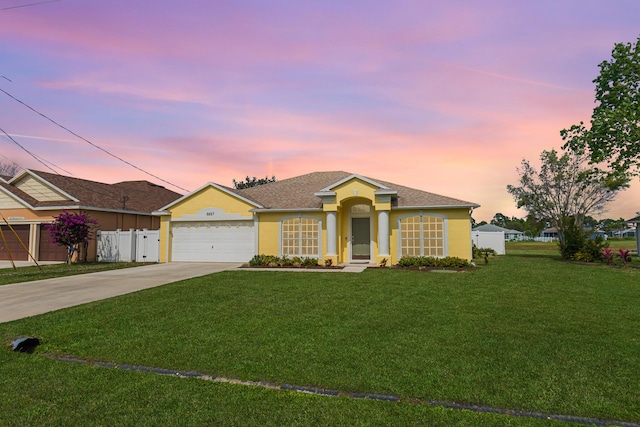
x=298, y=193
x=133, y=196
x=495, y=228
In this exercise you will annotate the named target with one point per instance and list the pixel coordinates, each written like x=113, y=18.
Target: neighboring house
x=32, y=198
x=508, y=234
x=550, y=234
x=623, y=234
x=636, y=221
x=340, y=216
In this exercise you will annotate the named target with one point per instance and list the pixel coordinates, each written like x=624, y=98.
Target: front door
x=360, y=238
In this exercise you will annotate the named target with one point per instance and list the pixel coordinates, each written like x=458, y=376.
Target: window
x=360, y=209
x=301, y=237
x=422, y=235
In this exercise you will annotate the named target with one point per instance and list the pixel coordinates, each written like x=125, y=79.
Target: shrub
x=625, y=256
x=427, y=261
x=263, y=260
x=283, y=261
x=309, y=262
x=572, y=240
x=607, y=256
x=591, y=250
x=485, y=253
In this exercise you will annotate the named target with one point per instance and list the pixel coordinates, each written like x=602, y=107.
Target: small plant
x=625, y=256
x=383, y=263
x=483, y=253
x=328, y=262
x=607, y=256
x=309, y=262
x=582, y=257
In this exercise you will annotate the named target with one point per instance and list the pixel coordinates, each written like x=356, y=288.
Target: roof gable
x=38, y=188
x=352, y=177
x=9, y=199
x=204, y=188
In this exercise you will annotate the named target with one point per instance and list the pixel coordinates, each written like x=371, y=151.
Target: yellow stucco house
x=338, y=215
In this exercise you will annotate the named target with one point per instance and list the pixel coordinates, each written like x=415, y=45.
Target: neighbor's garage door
x=12, y=245
x=49, y=251
x=224, y=241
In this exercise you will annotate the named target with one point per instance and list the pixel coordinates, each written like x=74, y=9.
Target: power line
x=89, y=142
x=30, y=4
x=77, y=181
x=33, y=155
x=27, y=151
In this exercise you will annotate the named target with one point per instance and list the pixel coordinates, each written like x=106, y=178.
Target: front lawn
x=528, y=333
x=48, y=271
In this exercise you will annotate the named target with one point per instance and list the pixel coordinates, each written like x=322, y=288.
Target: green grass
x=525, y=332
x=48, y=271
x=550, y=249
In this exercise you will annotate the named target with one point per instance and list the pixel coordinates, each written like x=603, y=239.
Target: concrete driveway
x=30, y=298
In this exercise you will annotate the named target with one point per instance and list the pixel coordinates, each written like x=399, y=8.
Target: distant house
x=625, y=233
x=32, y=198
x=549, y=234
x=636, y=221
x=508, y=234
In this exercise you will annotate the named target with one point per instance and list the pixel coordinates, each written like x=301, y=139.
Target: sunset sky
x=444, y=96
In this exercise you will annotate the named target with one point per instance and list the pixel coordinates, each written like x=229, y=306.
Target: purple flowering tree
x=71, y=230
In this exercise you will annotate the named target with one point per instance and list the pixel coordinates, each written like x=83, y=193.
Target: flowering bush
x=70, y=230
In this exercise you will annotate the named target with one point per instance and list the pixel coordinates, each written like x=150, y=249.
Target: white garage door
x=208, y=241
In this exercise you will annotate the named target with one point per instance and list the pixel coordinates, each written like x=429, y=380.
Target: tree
x=614, y=135
x=9, y=168
x=564, y=192
x=500, y=220
x=533, y=226
x=71, y=230
x=252, y=182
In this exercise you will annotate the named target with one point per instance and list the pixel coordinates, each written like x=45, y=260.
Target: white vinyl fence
x=128, y=246
x=489, y=239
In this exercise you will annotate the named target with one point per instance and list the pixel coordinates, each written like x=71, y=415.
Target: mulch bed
x=302, y=267
x=428, y=269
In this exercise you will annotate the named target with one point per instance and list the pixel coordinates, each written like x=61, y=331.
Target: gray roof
x=299, y=193
x=495, y=228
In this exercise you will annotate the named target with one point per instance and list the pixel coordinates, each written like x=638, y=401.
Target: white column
x=383, y=233
x=332, y=233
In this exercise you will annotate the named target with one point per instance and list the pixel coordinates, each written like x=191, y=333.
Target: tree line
x=533, y=227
